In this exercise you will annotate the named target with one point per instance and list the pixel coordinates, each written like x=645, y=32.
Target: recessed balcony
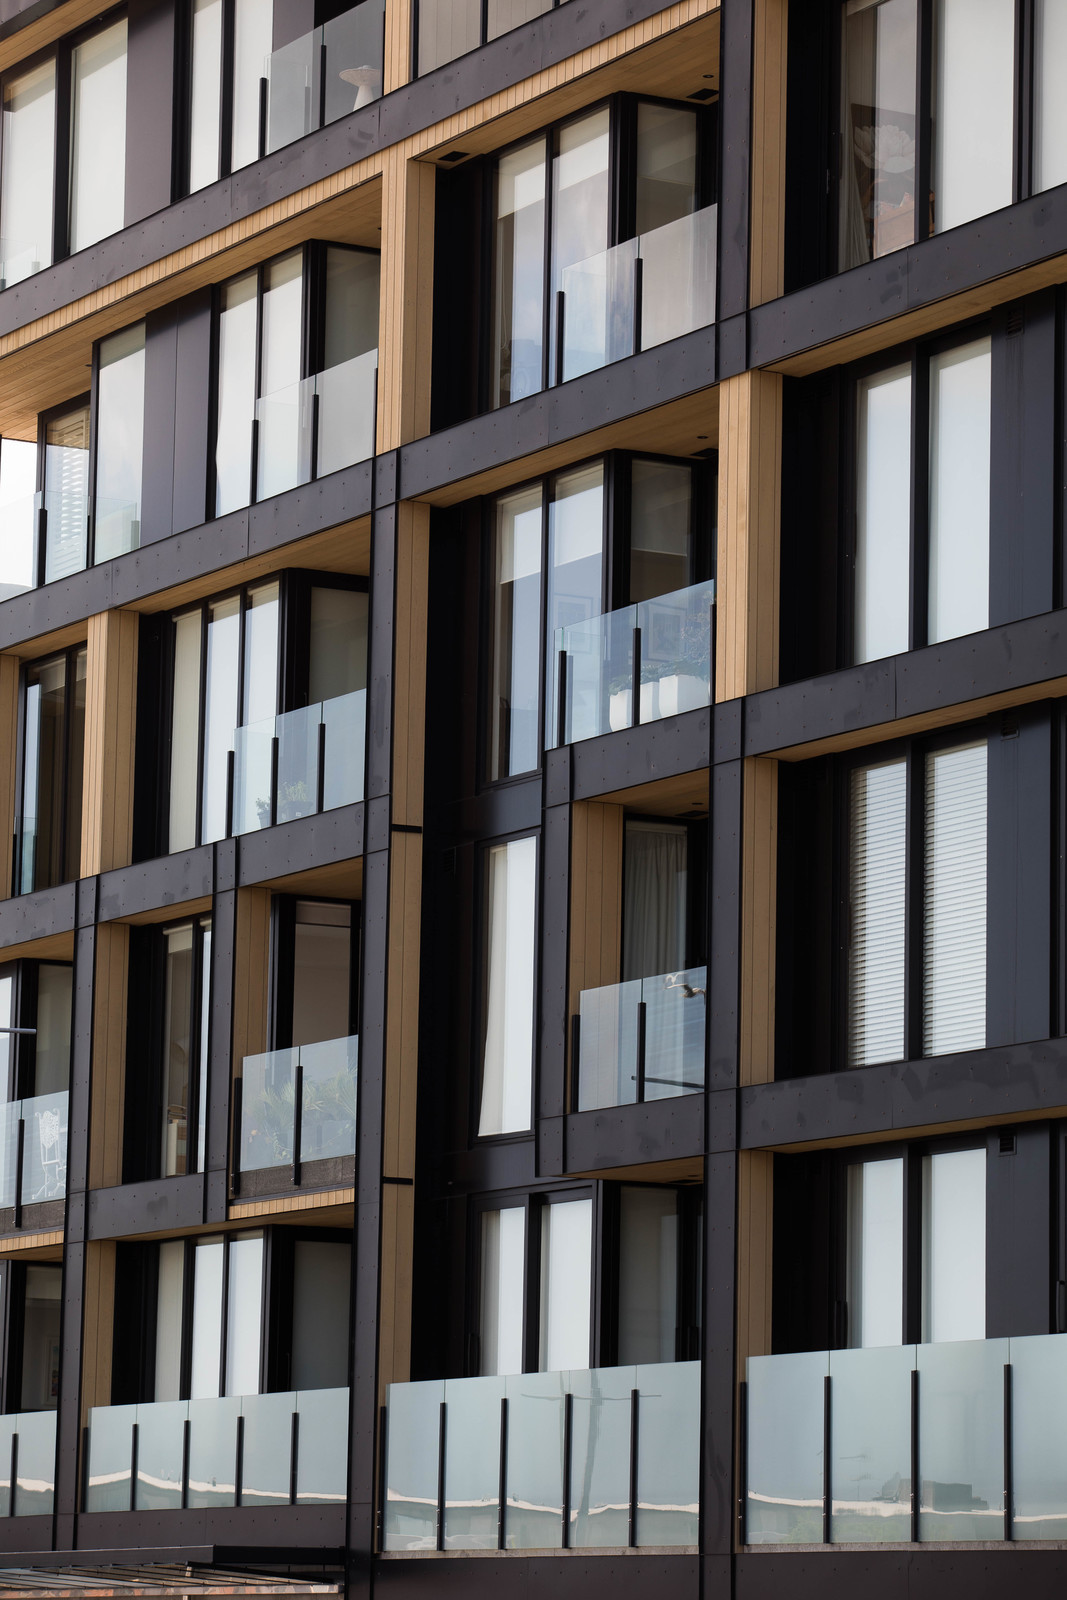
x=641, y=1040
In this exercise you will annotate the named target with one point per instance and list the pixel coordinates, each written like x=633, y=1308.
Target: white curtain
x=654, y=909
x=507, y=1065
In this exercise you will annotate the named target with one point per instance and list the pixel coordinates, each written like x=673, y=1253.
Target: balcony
x=299, y=763
x=316, y=426
x=237, y=1450
x=294, y=1107
x=33, y=1152
x=323, y=75
x=836, y=1442
x=664, y=645
x=602, y=1459
x=27, y=1464
x=637, y=294
x=641, y=1040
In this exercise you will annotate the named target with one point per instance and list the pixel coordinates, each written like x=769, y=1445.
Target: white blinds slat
x=877, y=840
x=954, y=901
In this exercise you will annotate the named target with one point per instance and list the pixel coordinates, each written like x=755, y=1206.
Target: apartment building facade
x=533, y=926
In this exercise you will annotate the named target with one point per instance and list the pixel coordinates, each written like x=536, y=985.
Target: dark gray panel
x=150, y=79
x=1023, y=460
x=735, y=112
x=624, y=1136
x=298, y=846
x=35, y=916
x=555, y=848
x=1019, y=878
x=192, y=410
x=1019, y=1234
x=565, y=1577
x=160, y=421
x=166, y=881
x=146, y=1207
x=665, y=749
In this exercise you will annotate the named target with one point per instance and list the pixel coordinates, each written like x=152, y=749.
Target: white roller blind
x=877, y=840
x=954, y=901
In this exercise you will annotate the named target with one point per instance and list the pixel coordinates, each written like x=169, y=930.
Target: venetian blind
x=877, y=840
x=954, y=901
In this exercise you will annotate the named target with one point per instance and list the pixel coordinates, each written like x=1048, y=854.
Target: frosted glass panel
x=206, y=98
x=207, y=1320
x=875, y=1253
x=503, y=1258
x=98, y=136
x=119, y=444
x=870, y=1445
x=973, y=110
x=244, y=1316
x=27, y=177
x=566, y=1268
x=954, y=1245
x=580, y=206
x=512, y=920
x=959, y=491
x=883, y=514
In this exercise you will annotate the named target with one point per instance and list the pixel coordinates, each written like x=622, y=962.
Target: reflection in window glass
x=220, y=712
x=98, y=136
x=170, y=1295
x=883, y=514
x=447, y=29
x=877, y=192
x=352, y=294
x=236, y=394
x=660, y=502
x=39, y=1390
x=877, y=865
x=66, y=492
x=184, y=731
x=322, y=971
x=516, y=668
x=954, y=901
x=954, y=1246
x=26, y=173
x=503, y=1254
x=1050, y=102
x=507, y=1063
x=18, y=483
x=648, y=1275
x=206, y=95
x=338, y=663
x=518, y=274
x=581, y=202
x=253, y=25
x=666, y=165
x=51, y=1056
x=959, y=491
x=320, y=1314
x=974, y=136
x=875, y=1253
x=575, y=566
x=119, y=444
x=566, y=1284
x=244, y=1314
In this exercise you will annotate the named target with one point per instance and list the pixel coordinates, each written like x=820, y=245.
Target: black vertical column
x=366, y=1242
x=1019, y=877
x=1022, y=467
x=150, y=80
x=220, y=1070
x=68, y=1418
x=735, y=137
x=555, y=924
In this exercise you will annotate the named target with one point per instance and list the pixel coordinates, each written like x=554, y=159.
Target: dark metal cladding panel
x=625, y=1136
x=164, y=881
x=149, y=1207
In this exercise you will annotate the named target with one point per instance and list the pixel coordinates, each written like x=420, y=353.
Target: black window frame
x=71, y=796
x=22, y=1052
x=13, y=1328
x=479, y=980
x=282, y=957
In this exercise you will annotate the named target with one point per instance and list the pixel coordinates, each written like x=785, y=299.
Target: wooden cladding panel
x=409, y=660
x=758, y=936
x=406, y=317
x=750, y=471
x=98, y=1325
x=110, y=729
x=755, y=1217
x=394, y=1319
x=402, y=1005
x=398, y=43
x=111, y=982
x=251, y=979
x=283, y=1205
x=770, y=23
x=9, y=723
x=596, y=899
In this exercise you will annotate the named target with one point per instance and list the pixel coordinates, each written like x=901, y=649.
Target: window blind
x=954, y=901
x=877, y=840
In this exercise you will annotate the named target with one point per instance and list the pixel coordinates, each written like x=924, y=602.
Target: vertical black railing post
x=20, y=1168
x=561, y=308
x=568, y=1437
x=294, y=1455
x=383, y=1464
x=274, y=743
x=631, y=1532
x=313, y=464
x=561, y=699
x=322, y=81
x=827, y=1483
x=253, y=464
x=239, y=1462
x=320, y=777
x=441, y=1478
x=298, y=1117
x=576, y=1059
x=711, y=653
x=915, y=1457
x=235, y=1142
x=742, y=1465
x=85, y=1469
x=42, y=544
x=1009, y=1468
x=502, y=1483
x=135, y=1443
x=642, y=1020
x=635, y=709
x=264, y=91
x=638, y=301
x=230, y=766
x=186, y=1429
x=14, y=1474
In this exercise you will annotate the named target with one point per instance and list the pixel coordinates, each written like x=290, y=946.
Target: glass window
x=654, y=898
x=575, y=564
x=98, y=136
x=206, y=1364
x=184, y=731
x=238, y=321
x=503, y=1255
x=352, y=299
x=338, y=661
x=244, y=1314
x=511, y=924
x=447, y=29
x=206, y=93
x=581, y=201
x=261, y=653
x=876, y=907
x=178, y=1048
x=18, y=484
x=51, y=1056
x=661, y=494
x=277, y=460
x=503, y=15
x=27, y=175
x=253, y=40
x=960, y=382
x=170, y=1297
x=516, y=669
x=648, y=1275
x=220, y=711
x=53, y=740
x=322, y=971
x=8, y=1019
x=666, y=165
x=119, y=444
x=66, y=492
x=883, y=514
x=519, y=274
x=321, y=1272
x=1050, y=103
x=974, y=115
x=39, y=1389
x=953, y=1256
x=566, y=1284
x=954, y=901
x=878, y=146
x=875, y=1253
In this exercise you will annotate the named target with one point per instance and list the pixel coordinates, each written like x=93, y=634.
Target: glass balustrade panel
x=472, y=1466
x=1039, y=1427
x=268, y=1087
x=266, y=1459
x=600, y=674
x=345, y=719
x=347, y=394
x=252, y=775
x=322, y=1447
x=598, y=309
x=283, y=447
x=8, y=1425
x=413, y=1424
x=533, y=1518
x=36, y=1472
x=607, y=1045
x=678, y=277
x=44, y=1155
x=600, y=1457
x=785, y=1448
x=294, y=87
x=18, y=518
x=668, y=1453
x=160, y=1455
x=675, y=1006
x=352, y=46
x=297, y=733
x=9, y=1133
x=110, y=1458
x=870, y=1448
x=676, y=651
x=328, y=1101
x=961, y=1439
x=67, y=530
x=213, y=1451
